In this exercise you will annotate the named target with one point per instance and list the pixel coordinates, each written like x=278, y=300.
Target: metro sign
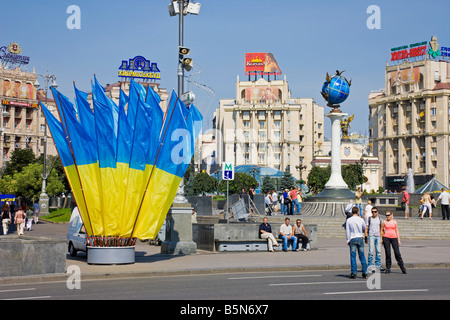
x=228, y=171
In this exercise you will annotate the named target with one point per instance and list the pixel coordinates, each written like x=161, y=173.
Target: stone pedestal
x=44, y=203
x=179, y=231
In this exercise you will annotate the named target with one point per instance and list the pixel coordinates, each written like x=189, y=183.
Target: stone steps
x=412, y=228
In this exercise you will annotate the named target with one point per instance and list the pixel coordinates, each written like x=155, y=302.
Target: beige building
x=409, y=120
x=22, y=123
x=264, y=126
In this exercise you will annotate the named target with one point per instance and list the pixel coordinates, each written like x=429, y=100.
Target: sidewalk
x=332, y=254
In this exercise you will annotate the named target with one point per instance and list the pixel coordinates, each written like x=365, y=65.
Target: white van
x=76, y=234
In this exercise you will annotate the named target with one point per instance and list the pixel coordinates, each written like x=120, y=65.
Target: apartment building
x=263, y=125
x=409, y=120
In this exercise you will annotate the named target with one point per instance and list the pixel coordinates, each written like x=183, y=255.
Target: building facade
x=409, y=120
x=264, y=126
x=22, y=123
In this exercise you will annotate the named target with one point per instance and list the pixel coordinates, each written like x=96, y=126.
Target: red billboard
x=261, y=63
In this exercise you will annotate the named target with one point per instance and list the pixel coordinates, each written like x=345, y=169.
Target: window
x=262, y=124
x=246, y=124
x=433, y=111
x=42, y=128
x=278, y=123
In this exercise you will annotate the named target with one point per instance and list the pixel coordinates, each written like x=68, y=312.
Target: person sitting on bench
x=265, y=232
x=287, y=234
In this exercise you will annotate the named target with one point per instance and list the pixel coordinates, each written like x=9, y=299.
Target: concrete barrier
x=23, y=256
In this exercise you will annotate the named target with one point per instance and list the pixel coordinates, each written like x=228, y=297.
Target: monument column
x=336, y=181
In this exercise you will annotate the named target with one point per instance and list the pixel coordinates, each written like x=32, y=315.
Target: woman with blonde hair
x=426, y=201
x=391, y=237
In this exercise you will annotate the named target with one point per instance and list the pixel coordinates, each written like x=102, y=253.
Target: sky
x=307, y=38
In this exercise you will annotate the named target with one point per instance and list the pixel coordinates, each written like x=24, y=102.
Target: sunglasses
x=374, y=211
x=388, y=215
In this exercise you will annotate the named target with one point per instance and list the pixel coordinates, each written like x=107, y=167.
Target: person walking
x=287, y=202
x=426, y=201
x=36, y=211
x=373, y=236
x=5, y=217
x=445, y=201
x=265, y=232
x=391, y=237
x=274, y=201
x=354, y=230
x=287, y=234
x=405, y=202
x=29, y=223
x=358, y=200
x=301, y=234
x=19, y=220
x=295, y=204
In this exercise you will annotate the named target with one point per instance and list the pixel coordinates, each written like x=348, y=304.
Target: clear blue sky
x=308, y=39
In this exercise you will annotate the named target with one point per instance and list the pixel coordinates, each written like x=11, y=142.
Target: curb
x=63, y=277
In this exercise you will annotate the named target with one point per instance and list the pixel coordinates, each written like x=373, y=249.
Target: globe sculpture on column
x=335, y=90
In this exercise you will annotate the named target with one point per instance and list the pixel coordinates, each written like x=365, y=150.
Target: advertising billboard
x=261, y=63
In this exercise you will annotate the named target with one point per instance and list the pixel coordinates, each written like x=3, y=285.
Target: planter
x=111, y=255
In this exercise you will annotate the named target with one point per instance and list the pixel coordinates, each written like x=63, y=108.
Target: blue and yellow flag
x=124, y=162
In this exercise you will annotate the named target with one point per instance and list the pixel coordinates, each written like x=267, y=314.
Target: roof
x=442, y=85
x=432, y=186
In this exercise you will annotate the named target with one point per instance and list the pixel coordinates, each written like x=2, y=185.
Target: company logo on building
x=140, y=68
x=420, y=51
x=10, y=56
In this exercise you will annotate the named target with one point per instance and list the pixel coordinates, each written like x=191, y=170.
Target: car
x=76, y=234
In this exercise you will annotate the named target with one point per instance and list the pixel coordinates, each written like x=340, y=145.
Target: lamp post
x=300, y=168
x=182, y=8
x=43, y=198
x=362, y=162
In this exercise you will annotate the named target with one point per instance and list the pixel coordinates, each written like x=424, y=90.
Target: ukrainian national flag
x=123, y=167
x=172, y=160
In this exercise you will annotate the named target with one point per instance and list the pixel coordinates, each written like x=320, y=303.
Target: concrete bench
x=241, y=236
x=255, y=245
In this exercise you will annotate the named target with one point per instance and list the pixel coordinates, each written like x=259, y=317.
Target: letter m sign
x=228, y=171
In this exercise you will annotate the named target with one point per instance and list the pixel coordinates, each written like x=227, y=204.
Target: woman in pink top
x=390, y=236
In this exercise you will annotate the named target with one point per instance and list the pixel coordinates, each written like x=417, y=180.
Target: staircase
x=413, y=228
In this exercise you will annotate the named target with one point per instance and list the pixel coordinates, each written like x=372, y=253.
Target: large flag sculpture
x=124, y=162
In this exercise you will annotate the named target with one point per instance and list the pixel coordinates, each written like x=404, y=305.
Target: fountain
x=410, y=182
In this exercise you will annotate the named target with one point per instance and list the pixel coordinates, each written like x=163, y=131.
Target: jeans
x=374, y=245
x=297, y=205
x=359, y=205
x=357, y=244
x=285, y=242
x=283, y=208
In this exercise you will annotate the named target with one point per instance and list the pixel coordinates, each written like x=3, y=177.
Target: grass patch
x=58, y=215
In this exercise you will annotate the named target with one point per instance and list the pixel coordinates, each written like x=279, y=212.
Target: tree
x=241, y=181
x=20, y=158
x=203, y=182
x=353, y=175
x=287, y=180
x=267, y=184
x=318, y=177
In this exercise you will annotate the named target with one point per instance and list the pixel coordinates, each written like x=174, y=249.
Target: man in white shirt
x=354, y=230
x=287, y=234
x=445, y=200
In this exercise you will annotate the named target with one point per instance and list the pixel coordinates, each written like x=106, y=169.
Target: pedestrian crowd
x=372, y=230
x=290, y=201
x=22, y=216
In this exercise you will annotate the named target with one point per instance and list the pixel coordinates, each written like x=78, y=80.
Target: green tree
x=241, y=181
x=287, y=180
x=267, y=184
x=203, y=182
x=20, y=158
x=318, y=177
x=28, y=182
x=352, y=175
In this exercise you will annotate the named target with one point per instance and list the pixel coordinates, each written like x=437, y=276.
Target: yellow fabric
x=157, y=201
x=91, y=185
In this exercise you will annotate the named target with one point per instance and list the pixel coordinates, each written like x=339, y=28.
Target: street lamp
x=363, y=163
x=300, y=168
x=43, y=198
x=182, y=8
